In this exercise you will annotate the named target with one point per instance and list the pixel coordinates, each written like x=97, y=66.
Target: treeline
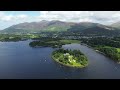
x=110, y=52
x=106, y=45
x=52, y=42
x=116, y=39
x=45, y=44
x=103, y=41
x=7, y=37
x=15, y=37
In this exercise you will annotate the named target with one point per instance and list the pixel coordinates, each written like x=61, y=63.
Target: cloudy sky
x=8, y=18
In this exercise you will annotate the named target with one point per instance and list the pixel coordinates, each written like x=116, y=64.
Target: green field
x=70, y=41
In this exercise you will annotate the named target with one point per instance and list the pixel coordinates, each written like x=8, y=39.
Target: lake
x=20, y=61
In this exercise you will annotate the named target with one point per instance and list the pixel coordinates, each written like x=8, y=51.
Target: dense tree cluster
x=45, y=44
x=116, y=39
x=69, y=57
x=108, y=46
x=110, y=52
x=50, y=42
x=19, y=37
x=103, y=41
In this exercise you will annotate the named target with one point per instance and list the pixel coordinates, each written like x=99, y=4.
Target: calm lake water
x=19, y=61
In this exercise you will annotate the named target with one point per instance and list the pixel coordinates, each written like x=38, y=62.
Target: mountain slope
x=93, y=29
x=116, y=25
x=82, y=26
x=57, y=26
x=100, y=31
x=36, y=27
x=86, y=28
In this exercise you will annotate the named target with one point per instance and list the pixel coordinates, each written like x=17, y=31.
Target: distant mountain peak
x=56, y=25
x=116, y=25
x=44, y=21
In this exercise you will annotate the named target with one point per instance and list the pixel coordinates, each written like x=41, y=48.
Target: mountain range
x=60, y=26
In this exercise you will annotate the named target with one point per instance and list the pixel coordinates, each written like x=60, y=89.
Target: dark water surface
x=19, y=61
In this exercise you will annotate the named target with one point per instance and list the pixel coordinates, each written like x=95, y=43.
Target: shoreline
x=100, y=52
x=68, y=65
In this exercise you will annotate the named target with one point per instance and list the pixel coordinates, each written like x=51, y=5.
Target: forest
x=50, y=42
x=71, y=58
x=109, y=46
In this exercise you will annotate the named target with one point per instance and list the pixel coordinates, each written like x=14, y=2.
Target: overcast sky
x=8, y=18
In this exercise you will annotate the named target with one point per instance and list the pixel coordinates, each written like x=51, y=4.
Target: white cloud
x=4, y=17
x=22, y=16
x=74, y=16
x=7, y=18
x=105, y=17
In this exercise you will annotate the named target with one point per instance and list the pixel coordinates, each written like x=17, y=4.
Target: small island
x=70, y=58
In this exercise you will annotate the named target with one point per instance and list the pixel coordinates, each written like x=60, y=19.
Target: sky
x=9, y=18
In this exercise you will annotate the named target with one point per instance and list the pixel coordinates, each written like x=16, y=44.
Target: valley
x=64, y=46
x=105, y=39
